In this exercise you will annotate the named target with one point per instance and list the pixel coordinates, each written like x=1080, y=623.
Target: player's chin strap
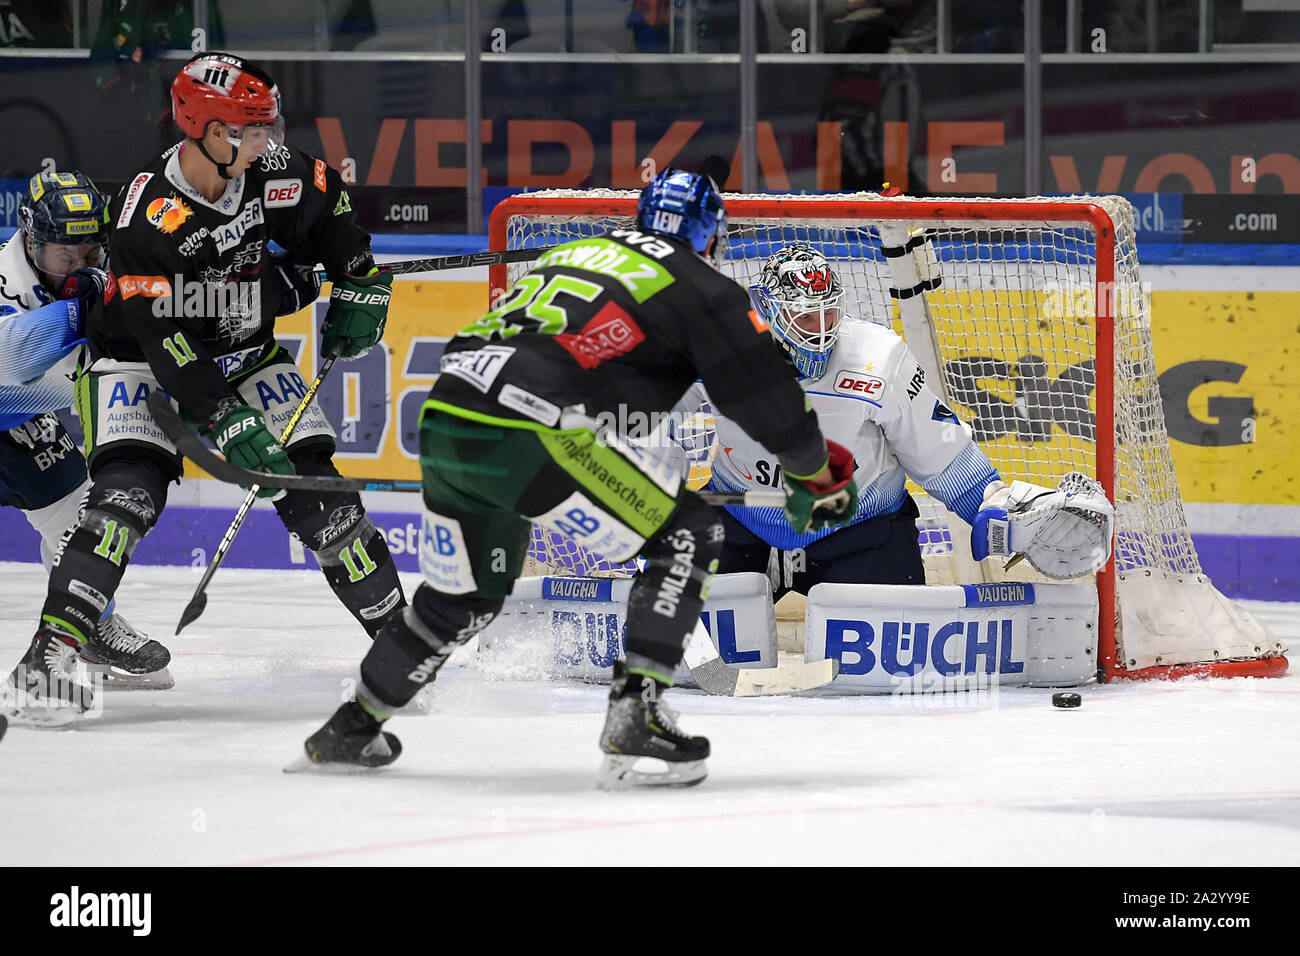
x=223, y=169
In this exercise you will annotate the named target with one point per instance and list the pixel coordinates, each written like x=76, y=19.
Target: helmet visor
x=60, y=260
x=257, y=138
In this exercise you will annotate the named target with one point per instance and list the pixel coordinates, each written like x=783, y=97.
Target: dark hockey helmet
x=684, y=206
x=229, y=89
x=64, y=208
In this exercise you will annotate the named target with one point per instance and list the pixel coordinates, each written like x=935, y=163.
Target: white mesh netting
x=1011, y=327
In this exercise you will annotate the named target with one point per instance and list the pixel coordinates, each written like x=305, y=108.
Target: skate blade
x=304, y=764
x=114, y=679
x=619, y=772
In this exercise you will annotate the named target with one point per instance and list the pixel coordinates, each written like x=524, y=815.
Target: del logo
x=282, y=192
x=610, y=332
x=167, y=213
x=904, y=647
x=857, y=383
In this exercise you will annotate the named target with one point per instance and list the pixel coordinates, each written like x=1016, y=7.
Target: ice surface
x=1194, y=772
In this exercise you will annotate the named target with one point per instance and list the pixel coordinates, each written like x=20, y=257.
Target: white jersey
x=875, y=402
x=36, y=370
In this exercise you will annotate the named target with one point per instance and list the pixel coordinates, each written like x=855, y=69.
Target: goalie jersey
x=195, y=296
x=874, y=401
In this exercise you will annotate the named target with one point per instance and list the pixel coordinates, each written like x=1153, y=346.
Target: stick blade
x=787, y=679
x=198, y=604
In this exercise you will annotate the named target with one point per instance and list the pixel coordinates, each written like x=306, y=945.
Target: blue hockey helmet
x=63, y=210
x=682, y=205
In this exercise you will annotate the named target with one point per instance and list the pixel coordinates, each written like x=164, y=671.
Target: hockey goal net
x=1031, y=322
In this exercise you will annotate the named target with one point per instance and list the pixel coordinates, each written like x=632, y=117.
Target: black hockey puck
x=1066, y=700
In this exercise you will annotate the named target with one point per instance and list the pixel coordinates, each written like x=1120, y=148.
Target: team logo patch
x=279, y=193
x=610, y=332
x=942, y=413
x=320, y=175
x=859, y=384
x=167, y=213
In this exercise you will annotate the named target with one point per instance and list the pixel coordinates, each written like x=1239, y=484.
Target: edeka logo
x=594, y=636
x=76, y=909
x=905, y=647
x=610, y=332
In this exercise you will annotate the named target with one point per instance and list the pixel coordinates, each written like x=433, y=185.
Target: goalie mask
x=64, y=220
x=802, y=300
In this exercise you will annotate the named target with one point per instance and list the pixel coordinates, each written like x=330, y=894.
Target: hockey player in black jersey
x=191, y=311
x=617, y=325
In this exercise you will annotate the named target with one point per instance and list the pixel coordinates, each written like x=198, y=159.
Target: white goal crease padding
x=576, y=627
x=892, y=638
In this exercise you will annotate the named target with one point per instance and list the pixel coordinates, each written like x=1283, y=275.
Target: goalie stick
x=469, y=260
x=189, y=444
x=715, y=677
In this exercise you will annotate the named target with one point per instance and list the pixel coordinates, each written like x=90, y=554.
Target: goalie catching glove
x=357, y=313
x=1063, y=532
x=812, y=507
x=241, y=435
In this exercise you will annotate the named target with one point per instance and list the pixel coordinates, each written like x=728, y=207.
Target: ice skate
x=127, y=659
x=46, y=689
x=351, y=740
x=640, y=727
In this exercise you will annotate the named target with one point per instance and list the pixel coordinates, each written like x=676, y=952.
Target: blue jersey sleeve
x=961, y=485
x=33, y=342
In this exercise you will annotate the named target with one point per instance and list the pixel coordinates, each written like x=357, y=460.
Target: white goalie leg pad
x=574, y=627
x=892, y=638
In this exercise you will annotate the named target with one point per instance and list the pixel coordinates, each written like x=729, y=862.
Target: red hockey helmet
x=226, y=88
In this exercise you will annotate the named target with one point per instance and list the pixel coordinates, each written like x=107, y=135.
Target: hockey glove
x=1063, y=532
x=299, y=286
x=86, y=286
x=811, y=508
x=357, y=313
x=241, y=435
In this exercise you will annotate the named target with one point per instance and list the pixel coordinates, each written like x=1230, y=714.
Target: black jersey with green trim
x=620, y=325
x=193, y=295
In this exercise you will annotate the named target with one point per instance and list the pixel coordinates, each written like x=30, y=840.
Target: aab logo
x=610, y=332
x=859, y=384
x=168, y=213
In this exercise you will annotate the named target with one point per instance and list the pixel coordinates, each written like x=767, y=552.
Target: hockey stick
x=199, y=601
x=191, y=446
x=715, y=677
x=468, y=260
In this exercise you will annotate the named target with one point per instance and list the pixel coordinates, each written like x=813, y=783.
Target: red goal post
x=992, y=295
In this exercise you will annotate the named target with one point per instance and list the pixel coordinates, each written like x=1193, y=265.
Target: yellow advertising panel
x=1228, y=365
